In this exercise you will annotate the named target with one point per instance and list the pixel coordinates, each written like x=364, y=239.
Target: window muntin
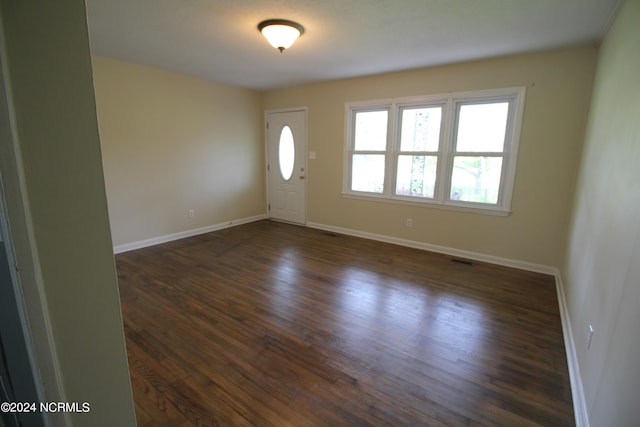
x=454, y=151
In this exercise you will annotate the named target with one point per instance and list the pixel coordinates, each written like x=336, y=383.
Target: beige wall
x=172, y=143
x=558, y=91
x=602, y=273
x=58, y=208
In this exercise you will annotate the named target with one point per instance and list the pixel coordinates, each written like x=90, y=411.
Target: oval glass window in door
x=286, y=153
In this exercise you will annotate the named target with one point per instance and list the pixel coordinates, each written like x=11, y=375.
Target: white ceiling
x=219, y=40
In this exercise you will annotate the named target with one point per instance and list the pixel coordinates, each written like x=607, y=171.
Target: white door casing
x=287, y=170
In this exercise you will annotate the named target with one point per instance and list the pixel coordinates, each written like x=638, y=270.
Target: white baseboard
x=579, y=403
x=183, y=234
x=439, y=249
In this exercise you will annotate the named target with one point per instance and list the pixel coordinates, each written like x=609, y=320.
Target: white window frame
x=446, y=153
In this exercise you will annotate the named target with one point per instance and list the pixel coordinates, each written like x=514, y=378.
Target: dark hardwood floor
x=269, y=324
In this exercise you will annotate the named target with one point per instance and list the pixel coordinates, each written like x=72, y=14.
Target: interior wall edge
x=21, y=248
x=577, y=390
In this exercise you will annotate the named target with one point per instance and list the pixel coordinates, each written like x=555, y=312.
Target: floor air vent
x=462, y=261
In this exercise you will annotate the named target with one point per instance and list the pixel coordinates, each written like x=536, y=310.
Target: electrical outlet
x=191, y=213
x=409, y=222
x=589, y=336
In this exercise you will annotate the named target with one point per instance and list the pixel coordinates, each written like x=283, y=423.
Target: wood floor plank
x=270, y=324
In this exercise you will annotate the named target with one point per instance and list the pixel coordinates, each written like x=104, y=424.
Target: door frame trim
x=305, y=110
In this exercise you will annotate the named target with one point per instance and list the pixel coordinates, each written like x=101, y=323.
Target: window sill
x=429, y=205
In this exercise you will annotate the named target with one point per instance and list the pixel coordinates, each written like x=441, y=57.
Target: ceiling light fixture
x=280, y=33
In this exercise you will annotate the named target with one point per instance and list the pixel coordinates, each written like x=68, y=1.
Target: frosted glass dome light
x=280, y=33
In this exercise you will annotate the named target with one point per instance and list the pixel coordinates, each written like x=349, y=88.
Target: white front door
x=287, y=168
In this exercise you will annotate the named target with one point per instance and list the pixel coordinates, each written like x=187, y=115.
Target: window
x=286, y=153
x=417, y=156
x=369, y=151
x=455, y=151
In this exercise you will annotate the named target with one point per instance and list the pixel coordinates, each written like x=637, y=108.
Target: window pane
x=371, y=131
x=476, y=179
x=420, y=129
x=368, y=173
x=416, y=176
x=286, y=153
x=482, y=127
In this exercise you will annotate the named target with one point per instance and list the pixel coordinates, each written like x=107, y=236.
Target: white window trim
x=449, y=103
